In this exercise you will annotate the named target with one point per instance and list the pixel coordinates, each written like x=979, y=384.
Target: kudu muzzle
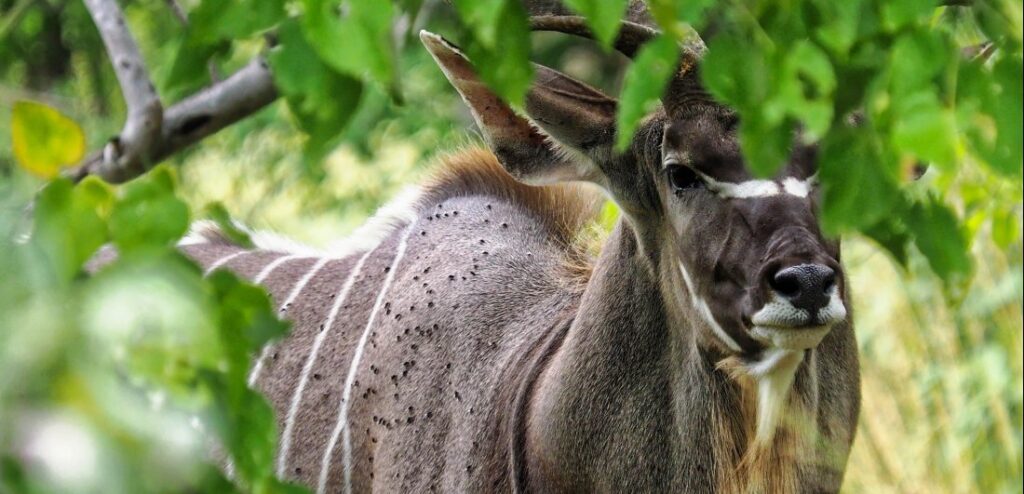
x=801, y=284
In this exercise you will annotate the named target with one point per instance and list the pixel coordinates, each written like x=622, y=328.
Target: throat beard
x=761, y=452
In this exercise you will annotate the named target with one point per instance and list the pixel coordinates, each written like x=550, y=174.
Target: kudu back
x=464, y=342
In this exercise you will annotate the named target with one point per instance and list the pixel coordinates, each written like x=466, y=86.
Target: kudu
x=464, y=342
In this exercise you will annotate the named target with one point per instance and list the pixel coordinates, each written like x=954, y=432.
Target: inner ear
x=574, y=113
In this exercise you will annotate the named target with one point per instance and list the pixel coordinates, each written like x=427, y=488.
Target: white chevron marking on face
x=705, y=312
x=751, y=189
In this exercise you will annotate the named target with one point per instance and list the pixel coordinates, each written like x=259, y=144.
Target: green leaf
x=837, y=29
x=806, y=87
x=503, y=63
x=891, y=234
x=603, y=17
x=44, y=140
x=895, y=15
x=322, y=99
x=215, y=20
x=1005, y=228
x=857, y=182
x=483, y=17
x=644, y=84
x=990, y=113
x=358, y=43
x=213, y=26
x=925, y=129
x=938, y=236
x=765, y=145
x=735, y=71
x=68, y=224
x=241, y=416
x=219, y=214
x=680, y=18
x=916, y=59
x=148, y=214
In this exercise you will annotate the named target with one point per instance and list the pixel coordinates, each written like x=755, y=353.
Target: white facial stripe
x=759, y=188
x=705, y=312
x=799, y=188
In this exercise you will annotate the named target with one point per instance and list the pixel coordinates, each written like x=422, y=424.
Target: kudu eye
x=683, y=177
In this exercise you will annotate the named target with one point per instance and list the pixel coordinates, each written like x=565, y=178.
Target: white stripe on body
x=307, y=368
x=341, y=426
x=222, y=261
x=254, y=374
x=269, y=268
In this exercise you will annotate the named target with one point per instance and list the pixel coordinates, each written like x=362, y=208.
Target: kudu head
x=745, y=254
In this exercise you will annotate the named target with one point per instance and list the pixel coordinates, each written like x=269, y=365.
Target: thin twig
x=145, y=112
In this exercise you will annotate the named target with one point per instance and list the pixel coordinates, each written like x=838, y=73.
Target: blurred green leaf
x=147, y=213
x=1005, y=228
x=212, y=26
x=858, y=186
x=644, y=84
x=806, y=87
x=925, y=129
x=838, y=24
x=891, y=234
x=736, y=72
x=215, y=20
x=937, y=234
x=991, y=104
x=322, y=99
x=896, y=15
x=504, y=63
x=765, y=144
x=677, y=18
x=220, y=215
x=483, y=17
x=69, y=225
x=44, y=140
x=357, y=43
x=603, y=17
x=916, y=59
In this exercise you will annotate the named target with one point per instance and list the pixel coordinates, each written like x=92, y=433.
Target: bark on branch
x=145, y=112
x=198, y=116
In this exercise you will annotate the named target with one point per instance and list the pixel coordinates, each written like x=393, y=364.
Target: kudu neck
x=633, y=339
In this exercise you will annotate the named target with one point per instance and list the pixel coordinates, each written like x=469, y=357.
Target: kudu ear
x=572, y=122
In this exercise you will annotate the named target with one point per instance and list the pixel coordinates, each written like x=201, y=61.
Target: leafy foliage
x=147, y=357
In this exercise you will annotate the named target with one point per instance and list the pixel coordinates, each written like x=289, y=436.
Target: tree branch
x=145, y=112
x=198, y=116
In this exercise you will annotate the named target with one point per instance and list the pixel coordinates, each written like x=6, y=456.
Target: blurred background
x=942, y=371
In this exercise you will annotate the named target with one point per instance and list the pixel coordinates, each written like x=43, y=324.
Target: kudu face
x=747, y=252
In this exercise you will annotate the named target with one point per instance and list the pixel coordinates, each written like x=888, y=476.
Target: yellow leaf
x=44, y=139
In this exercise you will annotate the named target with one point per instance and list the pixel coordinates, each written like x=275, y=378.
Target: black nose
x=806, y=286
